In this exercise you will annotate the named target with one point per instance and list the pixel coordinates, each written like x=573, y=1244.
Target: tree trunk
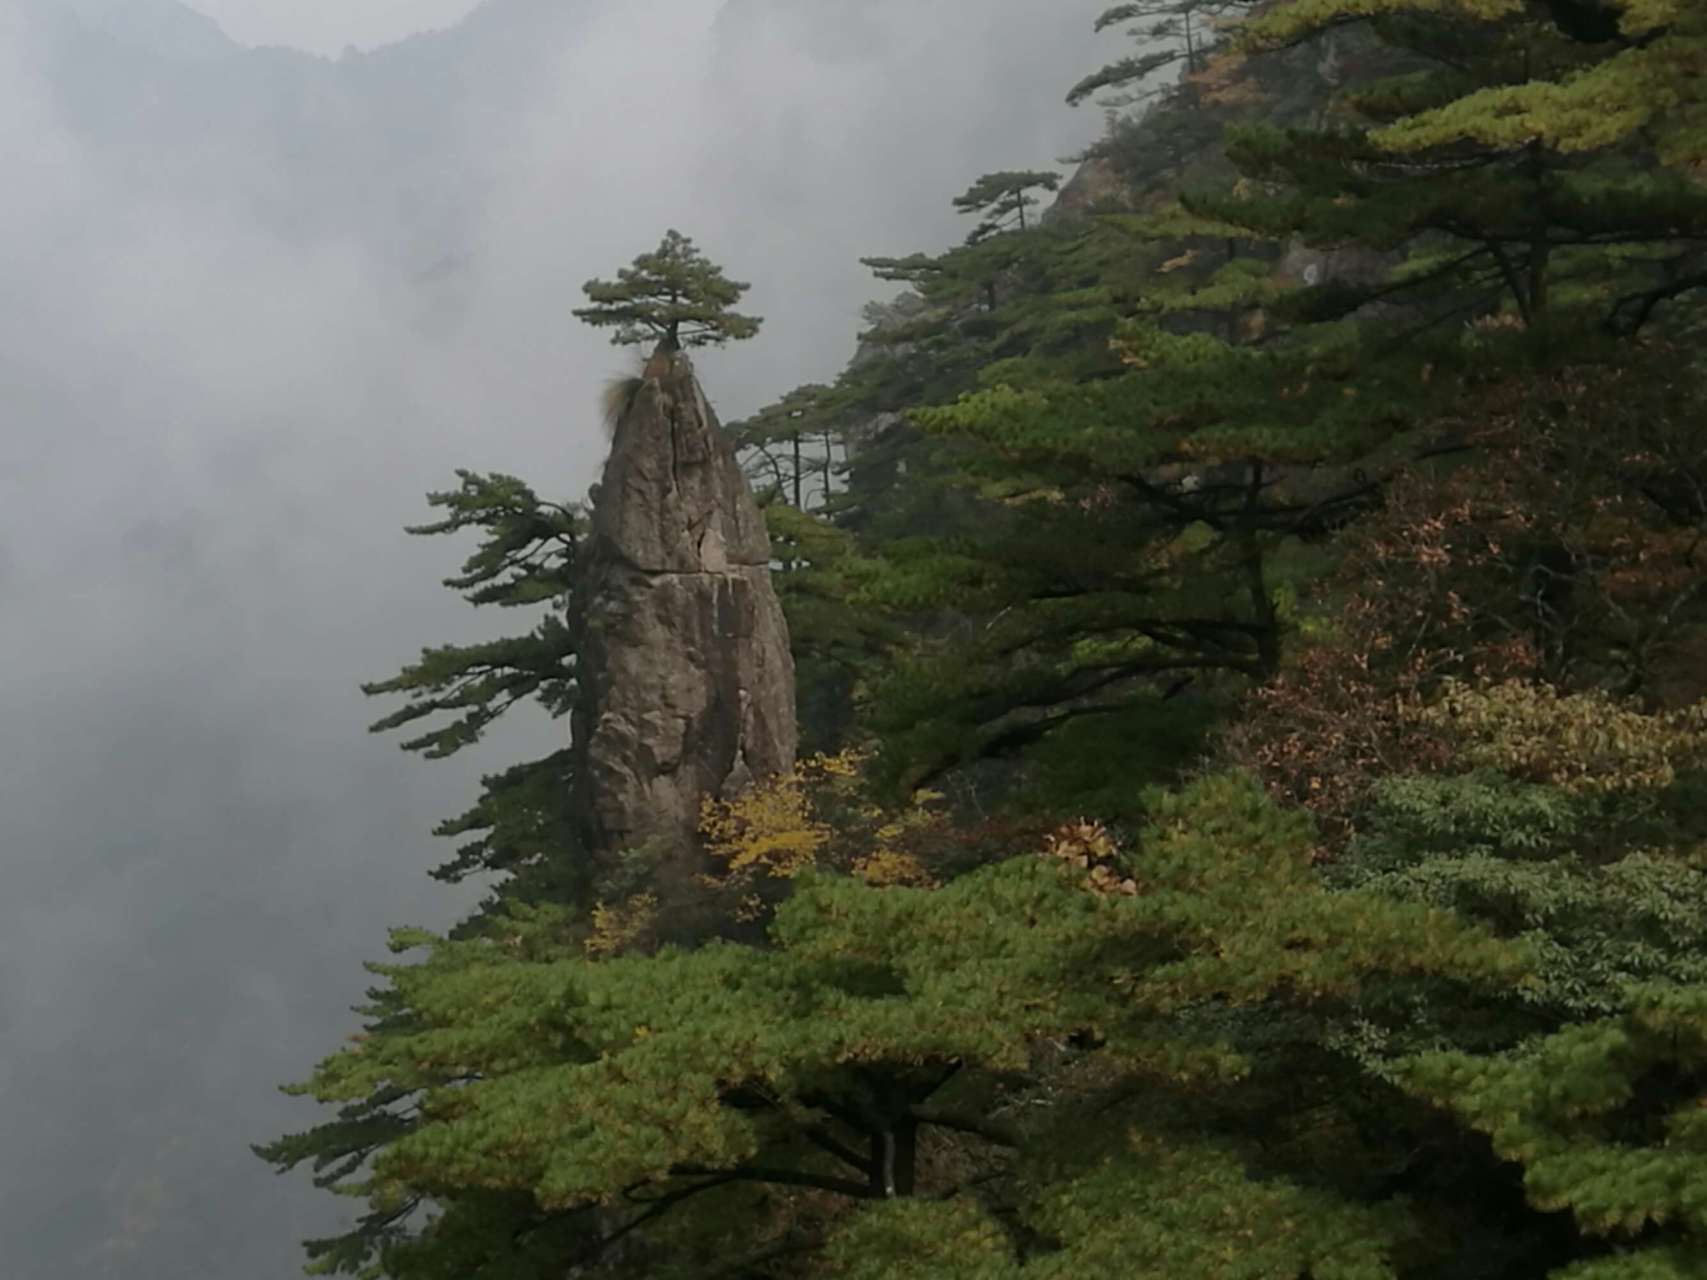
x=894, y=1159
x=1539, y=253
x=799, y=505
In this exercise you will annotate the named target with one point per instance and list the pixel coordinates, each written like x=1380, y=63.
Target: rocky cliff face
x=687, y=683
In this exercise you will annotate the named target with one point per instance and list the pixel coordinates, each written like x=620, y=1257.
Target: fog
x=255, y=305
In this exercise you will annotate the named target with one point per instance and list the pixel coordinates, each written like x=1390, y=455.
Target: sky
x=254, y=308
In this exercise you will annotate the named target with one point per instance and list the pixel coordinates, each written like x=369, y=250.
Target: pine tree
x=790, y=446
x=673, y=295
x=1172, y=32
x=1022, y=1044
x=839, y=645
x=1167, y=511
x=1001, y=199
x=1504, y=153
x=1136, y=531
x=1450, y=719
x=525, y=560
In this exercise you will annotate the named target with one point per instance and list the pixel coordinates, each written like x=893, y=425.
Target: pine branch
x=997, y=1134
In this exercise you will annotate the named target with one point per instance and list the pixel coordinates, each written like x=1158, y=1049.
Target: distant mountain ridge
x=399, y=149
x=385, y=148
x=163, y=27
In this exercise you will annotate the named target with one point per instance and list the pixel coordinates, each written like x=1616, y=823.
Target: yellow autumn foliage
x=1090, y=847
x=622, y=927
x=771, y=829
x=1582, y=742
x=814, y=815
x=891, y=868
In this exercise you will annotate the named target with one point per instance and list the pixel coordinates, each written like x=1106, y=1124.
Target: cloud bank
x=256, y=305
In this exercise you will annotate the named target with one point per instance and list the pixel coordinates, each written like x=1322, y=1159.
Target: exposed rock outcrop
x=1096, y=184
x=686, y=679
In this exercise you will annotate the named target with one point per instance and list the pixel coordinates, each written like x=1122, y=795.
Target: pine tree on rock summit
x=674, y=295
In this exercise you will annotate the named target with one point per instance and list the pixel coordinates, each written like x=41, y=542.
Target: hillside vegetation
x=1251, y=626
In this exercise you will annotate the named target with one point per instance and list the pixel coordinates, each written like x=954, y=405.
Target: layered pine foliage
x=1254, y=621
